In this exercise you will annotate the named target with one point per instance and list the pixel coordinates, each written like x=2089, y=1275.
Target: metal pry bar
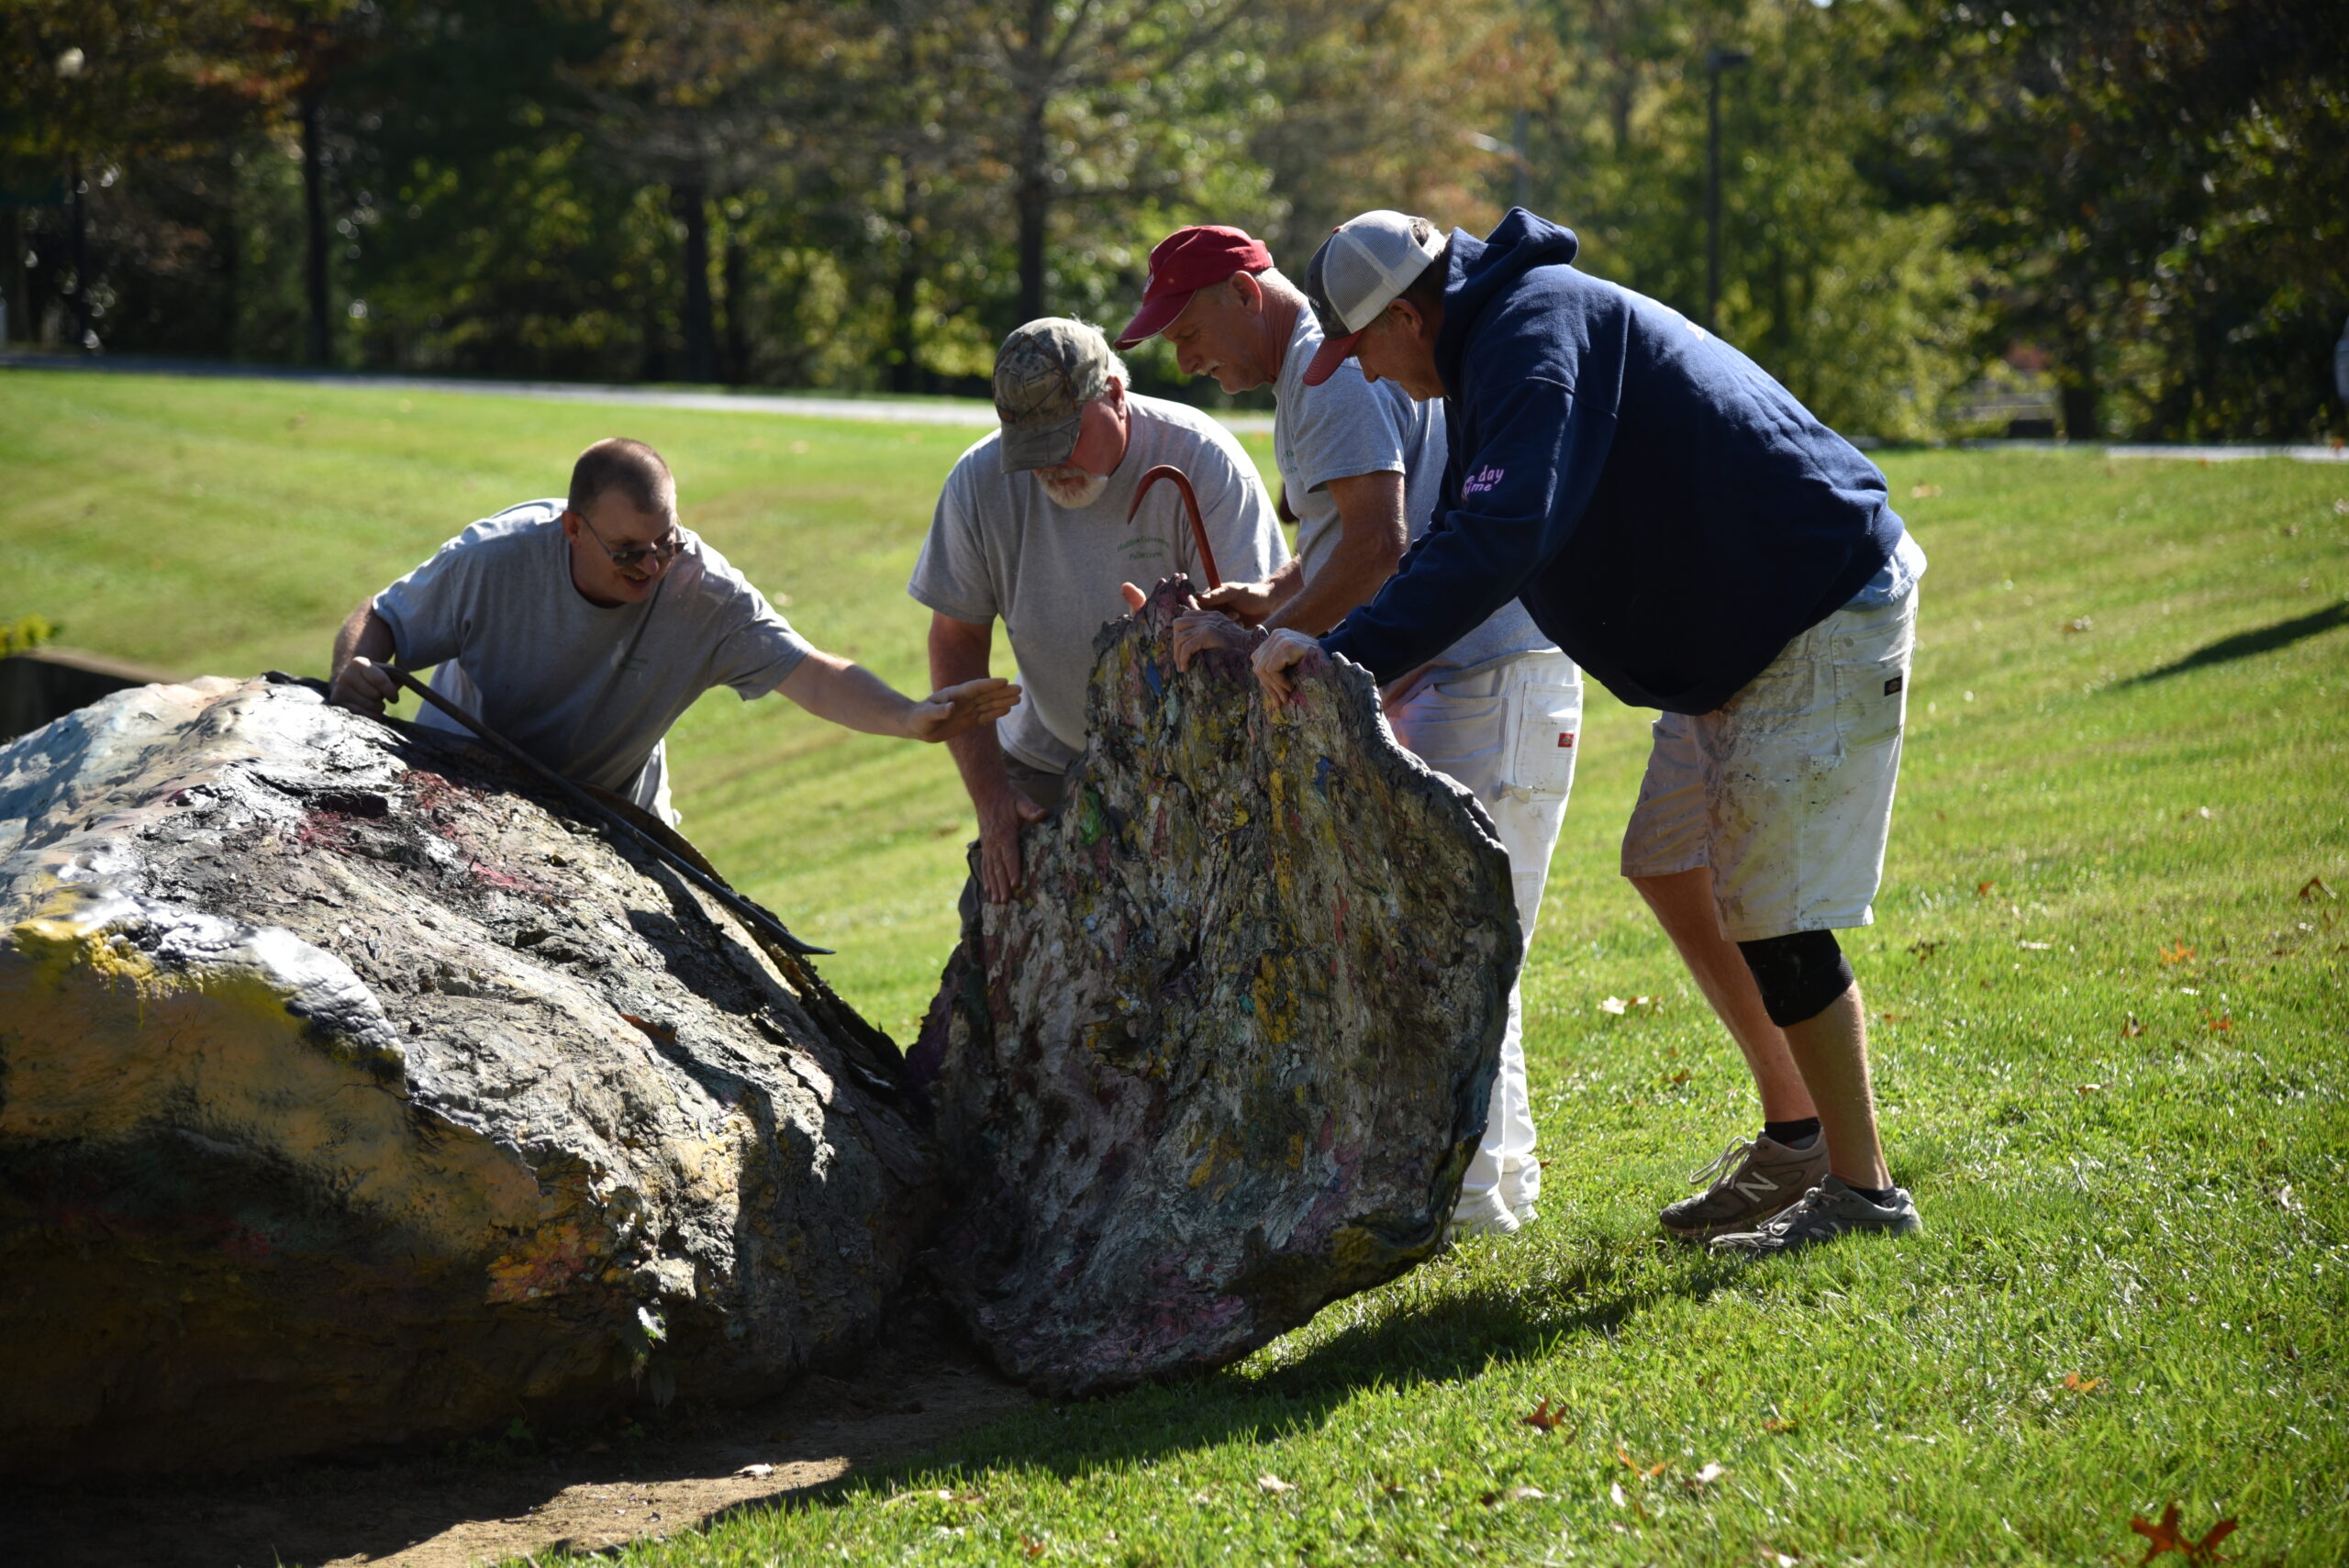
x=743, y=909
x=1190, y=504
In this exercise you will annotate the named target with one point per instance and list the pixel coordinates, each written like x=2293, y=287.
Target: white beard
x=1074, y=494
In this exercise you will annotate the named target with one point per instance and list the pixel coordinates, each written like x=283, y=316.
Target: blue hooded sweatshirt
x=1671, y=516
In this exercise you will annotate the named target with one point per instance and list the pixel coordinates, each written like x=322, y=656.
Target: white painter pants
x=1507, y=733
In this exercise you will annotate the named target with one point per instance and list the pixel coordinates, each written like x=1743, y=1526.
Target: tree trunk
x=1032, y=198
x=1227, y=1057
x=905, y=368
x=690, y=203
x=314, y=215
x=355, y=1096
x=736, y=270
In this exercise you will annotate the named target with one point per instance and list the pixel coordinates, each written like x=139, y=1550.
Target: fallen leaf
x=2166, y=1537
x=1514, y=1494
x=2286, y=1201
x=2204, y=812
x=1714, y=1470
x=661, y=1034
x=1924, y=950
x=2089, y=1088
x=1982, y=889
x=1615, y=1005
x=2078, y=1385
x=1780, y=1559
x=1030, y=1546
x=1650, y=1473
x=2176, y=954
x=1920, y=491
x=1891, y=1017
x=2133, y=1028
x=1679, y=1077
x=755, y=1471
x=1615, y=1494
x=2217, y=1023
x=1546, y=1419
x=1775, y=1427
x=2078, y=623
x=2314, y=888
x=1268, y=1482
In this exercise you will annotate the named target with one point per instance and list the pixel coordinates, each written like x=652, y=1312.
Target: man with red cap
x=1361, y=466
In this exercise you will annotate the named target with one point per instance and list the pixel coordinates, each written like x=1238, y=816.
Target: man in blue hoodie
x=1690, y=534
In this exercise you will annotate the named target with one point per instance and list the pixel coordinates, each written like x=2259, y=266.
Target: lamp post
x=1716, y=61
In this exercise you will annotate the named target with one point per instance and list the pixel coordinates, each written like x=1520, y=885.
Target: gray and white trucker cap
x=1044, y=375
x=1359, y=270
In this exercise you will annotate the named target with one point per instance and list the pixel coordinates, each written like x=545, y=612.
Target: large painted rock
x=350, y=1095
x=1225, y=1057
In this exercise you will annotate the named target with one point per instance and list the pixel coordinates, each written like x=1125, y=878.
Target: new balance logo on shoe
x=1755, y=1187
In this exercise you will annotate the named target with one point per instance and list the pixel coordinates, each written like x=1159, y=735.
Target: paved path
x=974, y=413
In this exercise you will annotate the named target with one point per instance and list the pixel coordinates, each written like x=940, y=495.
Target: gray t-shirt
x=999, y=546
x=586, y=689
x=1345, y=427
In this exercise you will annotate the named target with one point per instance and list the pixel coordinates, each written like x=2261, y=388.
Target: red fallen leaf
x=1774, y=1427
x=2313, y=888
x=2078, y=1385
x=2177, y=954
x=1649, y=1474
x=1982, y=889
x=1546, y=1419
x=1892, y=1017
x=1030, y=1546
x=2217, y=1023
x=1679, y=1077
x=2133, y=1028
x=2165, y=1537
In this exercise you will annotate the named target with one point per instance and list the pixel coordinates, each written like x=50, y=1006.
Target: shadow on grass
x=1453, y=1335
x=2244, y=644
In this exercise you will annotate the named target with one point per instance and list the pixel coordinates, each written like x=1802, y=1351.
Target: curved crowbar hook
x=1190, y=504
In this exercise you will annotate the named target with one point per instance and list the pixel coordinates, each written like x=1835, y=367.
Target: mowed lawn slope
x=2107, y=980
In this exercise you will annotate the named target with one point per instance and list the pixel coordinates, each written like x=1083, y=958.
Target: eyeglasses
x=661, y=551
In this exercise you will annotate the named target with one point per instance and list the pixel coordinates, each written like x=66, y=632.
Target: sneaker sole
x=1697, y=1235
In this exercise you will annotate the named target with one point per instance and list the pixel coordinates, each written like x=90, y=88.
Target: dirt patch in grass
x=489, y=1501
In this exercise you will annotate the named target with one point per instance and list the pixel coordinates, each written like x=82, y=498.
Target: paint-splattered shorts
x=1785, y=790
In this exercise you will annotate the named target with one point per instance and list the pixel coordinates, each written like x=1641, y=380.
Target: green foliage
x=27, y=632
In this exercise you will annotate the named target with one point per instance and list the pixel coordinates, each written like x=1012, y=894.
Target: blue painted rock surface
x=1225, y=1057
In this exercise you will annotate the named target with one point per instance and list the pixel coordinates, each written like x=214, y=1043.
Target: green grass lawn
x=2111, y=1037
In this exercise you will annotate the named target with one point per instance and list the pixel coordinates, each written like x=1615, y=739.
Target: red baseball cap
x=1185, y=262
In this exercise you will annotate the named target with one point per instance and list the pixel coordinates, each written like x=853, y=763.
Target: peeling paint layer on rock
x=1225, y=1058
x=350, y=1095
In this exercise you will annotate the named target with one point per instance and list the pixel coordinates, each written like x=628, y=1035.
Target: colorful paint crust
x=1224, y=1058
x=355, y=1097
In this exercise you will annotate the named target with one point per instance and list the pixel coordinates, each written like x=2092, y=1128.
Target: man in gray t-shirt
x=581, y=628
x=1361, y=467
x=1031, y=528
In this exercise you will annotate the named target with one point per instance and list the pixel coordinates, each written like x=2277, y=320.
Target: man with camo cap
x=1031, y=528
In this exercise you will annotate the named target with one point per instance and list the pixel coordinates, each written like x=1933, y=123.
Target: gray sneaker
x=1751, y=1182
x=1826, y=1211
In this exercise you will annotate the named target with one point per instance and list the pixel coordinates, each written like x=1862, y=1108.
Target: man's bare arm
x=959, y=651
x=849, y=694
x=1371, y=535
x=365, y=643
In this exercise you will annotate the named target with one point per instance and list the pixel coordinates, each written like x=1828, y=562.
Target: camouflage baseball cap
x=1044, y=375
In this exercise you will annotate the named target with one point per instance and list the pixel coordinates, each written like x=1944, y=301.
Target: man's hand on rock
x=1197, y=630
x=1247, y=603
x=999, y=824
x=362, y=687
x=1281, y=652
x=951, y=710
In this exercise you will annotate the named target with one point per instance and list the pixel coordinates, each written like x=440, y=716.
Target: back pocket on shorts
x=1871, y=683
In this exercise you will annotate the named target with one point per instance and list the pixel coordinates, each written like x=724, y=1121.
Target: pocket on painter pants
x=1548, y=726
x=1872, y=684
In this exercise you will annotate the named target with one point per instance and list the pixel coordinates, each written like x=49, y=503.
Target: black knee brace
x=1797, y=975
